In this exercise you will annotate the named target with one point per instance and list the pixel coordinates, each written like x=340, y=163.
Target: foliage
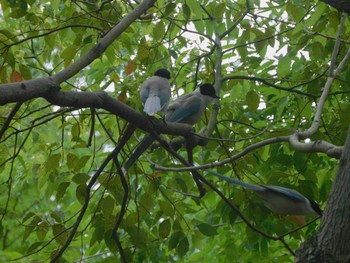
x=274, y=59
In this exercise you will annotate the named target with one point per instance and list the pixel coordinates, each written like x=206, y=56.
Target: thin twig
x=122, y=210
x=92, y=127
x=9, y=118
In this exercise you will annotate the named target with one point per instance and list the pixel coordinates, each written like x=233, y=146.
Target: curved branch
x=227, y=160
x=45, y=84
x=19, y=92
x=315, y=146
x=316, y=122
x=318, y=146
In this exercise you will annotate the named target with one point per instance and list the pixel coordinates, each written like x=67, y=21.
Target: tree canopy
x=70, y=74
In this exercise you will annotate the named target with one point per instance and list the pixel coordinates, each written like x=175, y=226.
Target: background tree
x=70, y=117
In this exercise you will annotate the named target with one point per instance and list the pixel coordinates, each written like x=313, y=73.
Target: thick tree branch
x=330, y=243
x=100, y=100
x=26, y=90
x=341, y=5
x=317, y=146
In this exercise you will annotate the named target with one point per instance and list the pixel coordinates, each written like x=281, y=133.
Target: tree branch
x=9, y=118
x=327, y=87
x=124, y=202
x=30, y=89
x=127, y=134
x=106, y=41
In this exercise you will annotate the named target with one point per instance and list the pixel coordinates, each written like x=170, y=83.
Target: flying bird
x=279, y=199
x=155, y=92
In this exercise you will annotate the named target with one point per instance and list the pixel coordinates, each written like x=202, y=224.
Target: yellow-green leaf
x=252, y=99
x=164, y=228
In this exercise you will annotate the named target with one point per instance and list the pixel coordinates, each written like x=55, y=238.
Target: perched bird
x=279, y=199
x=155, y=92
x=190, y=107
x=186, y=109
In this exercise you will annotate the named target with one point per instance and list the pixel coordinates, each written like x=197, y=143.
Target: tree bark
x=341, y=5
x=331, y=243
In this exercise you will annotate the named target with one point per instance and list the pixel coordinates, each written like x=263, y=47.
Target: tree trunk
x=331, y=243
x=341, y=5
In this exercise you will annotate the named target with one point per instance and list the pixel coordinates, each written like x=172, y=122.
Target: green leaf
x=80, y=193
x=25, y=72
x=284, y=66
x=61, y=190
x=196, y=10
x=253, y=100
x=164, y=228
x=219, y=10
x=27, y=216
x=34, y=246
x=143, y=53
x=159, y=31
x=81, y=162
x=186, y=10
x=175, y=239
x=166, y=208
x=43, y=228
x=107, y=205
x=71, y=160
x=169, y=8
x=182, y=247
x=75, y=131
x=110, y=242
x=97, y=235
x=30, y=227
x=207, y=229
x=60, y=233
x=80, y=178
x=131, y=219
x=300, y=161
x=147, y=201
x=57, y=215
x=53, y=162
x=68, y=54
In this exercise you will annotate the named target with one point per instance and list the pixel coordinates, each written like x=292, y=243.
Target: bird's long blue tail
x=145, y=143
x=237, y=182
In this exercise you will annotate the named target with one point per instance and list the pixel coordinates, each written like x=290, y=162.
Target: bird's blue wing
x=185, y=110
x=252, y=187
x=292, y=194
x=145, y=143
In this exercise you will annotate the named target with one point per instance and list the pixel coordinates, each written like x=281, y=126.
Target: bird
x=190, y=107
x=155, y=92
x=279, y=199
x=186, y=109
